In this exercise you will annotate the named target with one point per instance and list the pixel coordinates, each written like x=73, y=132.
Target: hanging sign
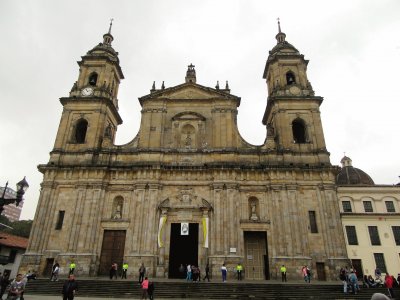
x=184, y=228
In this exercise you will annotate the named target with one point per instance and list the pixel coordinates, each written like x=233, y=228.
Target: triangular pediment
x=188, y=91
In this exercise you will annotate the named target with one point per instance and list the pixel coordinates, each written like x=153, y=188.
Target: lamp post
x=22, y=186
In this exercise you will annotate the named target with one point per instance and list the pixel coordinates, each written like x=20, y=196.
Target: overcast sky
x=353, y=48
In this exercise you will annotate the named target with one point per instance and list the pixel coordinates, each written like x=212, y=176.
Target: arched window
x=290, y=78
x=299, y=131
x=93, y=79
x=80, y=131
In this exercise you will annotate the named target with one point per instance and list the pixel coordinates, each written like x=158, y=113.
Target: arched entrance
x=183, y=249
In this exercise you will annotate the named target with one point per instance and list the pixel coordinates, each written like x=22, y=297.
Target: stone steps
x=203, y=290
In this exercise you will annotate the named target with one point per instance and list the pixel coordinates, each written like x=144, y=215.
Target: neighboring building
x=11, y=211
x=188, y=188
x=12, y=248
x=371, y=220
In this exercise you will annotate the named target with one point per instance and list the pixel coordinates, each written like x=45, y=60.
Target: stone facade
x=262, y=206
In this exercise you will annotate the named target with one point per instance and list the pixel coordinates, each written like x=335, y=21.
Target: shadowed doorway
x=183, y=249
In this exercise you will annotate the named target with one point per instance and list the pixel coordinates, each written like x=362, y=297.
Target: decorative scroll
x=205, y=231
x=163, y=219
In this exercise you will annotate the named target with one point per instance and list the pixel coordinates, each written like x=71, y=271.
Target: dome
x=349, y=175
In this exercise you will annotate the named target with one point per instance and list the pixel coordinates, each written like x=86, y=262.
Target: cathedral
x=188, y=189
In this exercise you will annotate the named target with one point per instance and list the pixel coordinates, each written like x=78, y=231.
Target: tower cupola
x=190, y=74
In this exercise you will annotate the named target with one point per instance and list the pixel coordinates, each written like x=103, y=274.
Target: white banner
x=184, y=228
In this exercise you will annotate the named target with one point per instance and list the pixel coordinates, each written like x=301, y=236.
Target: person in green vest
x=72, y=267
x=239, y=270
x=124, y=270
x=283, y=272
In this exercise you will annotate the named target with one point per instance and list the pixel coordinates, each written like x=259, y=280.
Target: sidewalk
x=41, y=297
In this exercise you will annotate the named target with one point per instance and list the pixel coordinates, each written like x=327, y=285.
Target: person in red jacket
x=145, y=287
x=389, y=284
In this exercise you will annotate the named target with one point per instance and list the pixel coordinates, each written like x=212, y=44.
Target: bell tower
x=90, y=114
x=292, y=115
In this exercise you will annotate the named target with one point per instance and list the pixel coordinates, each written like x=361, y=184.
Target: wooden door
x=49, y=267
x=321, y=271
x=357, y=265
x=255, y=250
x=112, y=250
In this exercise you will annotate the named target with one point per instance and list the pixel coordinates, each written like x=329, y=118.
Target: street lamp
x=22, y=186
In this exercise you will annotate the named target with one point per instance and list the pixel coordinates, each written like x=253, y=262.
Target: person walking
x=224, y=271
x=142, y=271
x=150, y=290
x=308, y=271
x=72, y=267
x=283, y=273
x=124, y=270
x=145, y=287
x=207, y=270
x=69, y=288
x=389, y=284
x=113, y=270
x=56, y=271
x=239, y=269
x=55, y=266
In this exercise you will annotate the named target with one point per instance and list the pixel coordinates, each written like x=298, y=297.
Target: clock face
x=294, y=90
x=87, y=91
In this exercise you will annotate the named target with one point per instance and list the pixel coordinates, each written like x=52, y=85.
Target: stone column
x=218, y=226
x=137, y=222
x=233, y=216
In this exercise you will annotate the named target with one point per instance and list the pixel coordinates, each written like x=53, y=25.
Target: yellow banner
x=163, y=219
x=205, y=231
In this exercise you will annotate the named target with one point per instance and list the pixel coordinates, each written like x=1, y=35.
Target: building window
x=313, y=221
x=60, y=219
x=368, y=206
x=351, y=235
x=380, y=262
x=374, y=235
x=346, y=206
x=11, y=257
x=396, y=234
x=390, y=206
x=80, y=132
x=299, y=131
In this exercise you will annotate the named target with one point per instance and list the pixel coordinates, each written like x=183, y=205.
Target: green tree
x=19, y=228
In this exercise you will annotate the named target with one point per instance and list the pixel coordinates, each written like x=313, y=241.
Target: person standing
x=69, y=288
x=5, y=281
x=17, y=288
x=182, y=271
x=224, y=271
x=142, y=271
x=342, y=277
x=113, y=270
x=124, y=270
x=283, y=273
x=188, y=272
x=145, y=287
x=308, y=271
x=72, y=267
x=239, y=269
